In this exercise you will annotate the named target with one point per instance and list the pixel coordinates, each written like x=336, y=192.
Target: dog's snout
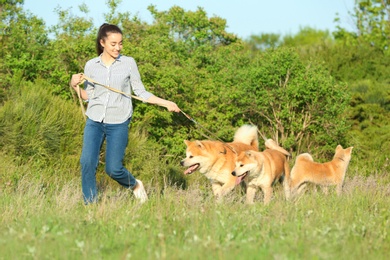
x=234, y=173
x=182, y=163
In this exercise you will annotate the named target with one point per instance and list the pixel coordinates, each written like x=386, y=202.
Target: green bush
x=39, y=127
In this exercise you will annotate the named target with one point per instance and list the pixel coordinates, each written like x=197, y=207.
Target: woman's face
x=112, y=45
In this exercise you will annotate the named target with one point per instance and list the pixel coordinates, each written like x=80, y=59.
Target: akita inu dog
x=262, y=170
x=216, y=160
x=324, y=174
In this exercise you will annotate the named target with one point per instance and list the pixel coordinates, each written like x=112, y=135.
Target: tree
x=297, y=104
x=263, y=41
x=193, y=28
x=23, y=39
x=372, y=25
x=361, y=58
x=72, y=45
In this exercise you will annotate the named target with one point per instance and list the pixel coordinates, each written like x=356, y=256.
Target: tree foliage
x=263, y=41
x=304, y=90
x=193, y=28
x=372, y=25
x=23, y=37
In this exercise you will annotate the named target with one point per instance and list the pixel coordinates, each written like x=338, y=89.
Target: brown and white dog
x=216, y=160
x=325, y=174
x=262, y=170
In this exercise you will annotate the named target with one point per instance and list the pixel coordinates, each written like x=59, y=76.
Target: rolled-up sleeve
x=88, y=86
x=136, y=82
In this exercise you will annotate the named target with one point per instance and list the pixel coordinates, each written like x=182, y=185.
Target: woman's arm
x=171, y=106
x=140, y=91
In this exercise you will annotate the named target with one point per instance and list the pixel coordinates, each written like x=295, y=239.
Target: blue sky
x=244, y=17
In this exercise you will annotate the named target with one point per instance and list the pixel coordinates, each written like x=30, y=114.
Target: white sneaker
x=139, y=192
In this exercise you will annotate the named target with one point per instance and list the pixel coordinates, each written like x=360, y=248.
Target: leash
x=199, y=125
x=208, y=131
x=85, y=78
x=78, y=91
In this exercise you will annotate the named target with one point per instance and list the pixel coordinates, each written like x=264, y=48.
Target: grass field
x=46, y=219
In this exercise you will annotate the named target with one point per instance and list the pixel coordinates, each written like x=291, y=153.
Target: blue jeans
x=116, y=136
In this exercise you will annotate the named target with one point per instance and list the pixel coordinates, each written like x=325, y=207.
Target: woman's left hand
x=172, y=107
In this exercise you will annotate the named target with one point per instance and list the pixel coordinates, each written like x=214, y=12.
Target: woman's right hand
x=76, y=80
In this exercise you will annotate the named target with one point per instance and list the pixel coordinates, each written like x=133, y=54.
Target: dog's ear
x=339, y=147
x=199, y=144
x=249, y=153
x=224, y=150
x=187, y=142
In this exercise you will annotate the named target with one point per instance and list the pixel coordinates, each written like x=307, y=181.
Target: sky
x=243, y=17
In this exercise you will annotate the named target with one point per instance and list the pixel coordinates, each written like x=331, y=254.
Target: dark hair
x=103, y=32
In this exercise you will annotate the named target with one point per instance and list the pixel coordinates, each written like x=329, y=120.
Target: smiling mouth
x=192, y=168
x=241, y=177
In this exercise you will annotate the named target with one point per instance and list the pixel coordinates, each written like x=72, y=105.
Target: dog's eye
x=191, y=156
x=241, y=165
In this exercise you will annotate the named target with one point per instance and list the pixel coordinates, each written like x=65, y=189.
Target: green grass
x=44, y=218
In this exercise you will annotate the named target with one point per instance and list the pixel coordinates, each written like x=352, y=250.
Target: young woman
x=109, y=113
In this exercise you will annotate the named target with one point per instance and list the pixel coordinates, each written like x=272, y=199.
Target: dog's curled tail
x=247, y=134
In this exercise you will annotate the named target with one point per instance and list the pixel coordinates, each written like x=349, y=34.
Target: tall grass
x=38, y=127
x=44, y=219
